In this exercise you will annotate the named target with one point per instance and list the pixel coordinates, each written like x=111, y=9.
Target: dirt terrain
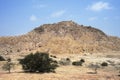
x=70, y=72
x=61, y=74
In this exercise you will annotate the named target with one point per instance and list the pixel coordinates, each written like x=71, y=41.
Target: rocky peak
x=75, y=30
x=67, y=23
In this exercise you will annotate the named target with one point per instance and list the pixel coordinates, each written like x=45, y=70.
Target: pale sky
x=21, y=16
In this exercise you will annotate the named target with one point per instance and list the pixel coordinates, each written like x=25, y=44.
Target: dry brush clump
x=94, y=67
x=8, y=65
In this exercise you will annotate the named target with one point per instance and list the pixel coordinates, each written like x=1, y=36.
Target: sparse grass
x=62, y=73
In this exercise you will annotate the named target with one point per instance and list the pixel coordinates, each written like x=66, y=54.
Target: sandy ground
x=69, y=72
x=62, y=73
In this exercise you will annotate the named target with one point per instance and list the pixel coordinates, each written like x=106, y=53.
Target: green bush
x=1, y=58
x=104, y=64
x=38, y=62
x=68, y=59
x=82, y=60
x=78, y=63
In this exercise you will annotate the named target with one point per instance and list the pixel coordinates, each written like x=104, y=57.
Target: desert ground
x=70, y=72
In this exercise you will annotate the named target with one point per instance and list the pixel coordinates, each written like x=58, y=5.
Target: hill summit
x=76, y=31
x=60, y=38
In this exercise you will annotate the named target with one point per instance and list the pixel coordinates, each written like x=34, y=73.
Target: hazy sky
x=21, y=16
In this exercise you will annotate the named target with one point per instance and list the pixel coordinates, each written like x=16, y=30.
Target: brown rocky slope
x=60, y=38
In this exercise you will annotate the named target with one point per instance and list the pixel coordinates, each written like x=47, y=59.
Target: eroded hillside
x=58, y=38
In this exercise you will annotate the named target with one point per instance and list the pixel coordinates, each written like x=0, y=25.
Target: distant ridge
x=64, y=37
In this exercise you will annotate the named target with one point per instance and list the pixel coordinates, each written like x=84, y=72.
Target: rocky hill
x=60, y=38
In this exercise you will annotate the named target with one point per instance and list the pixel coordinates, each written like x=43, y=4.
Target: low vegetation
x=78, y=63
x=104, y=64
x=8, y=66
x=53, y=56
x=38, y=62
x=1, y=58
